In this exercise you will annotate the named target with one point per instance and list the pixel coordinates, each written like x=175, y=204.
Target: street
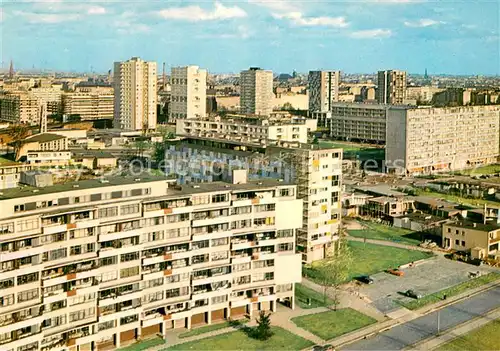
x=419, y=329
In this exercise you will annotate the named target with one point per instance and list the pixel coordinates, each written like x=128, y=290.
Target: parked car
x=413, y=294
x=396, y=272
x=365, y=279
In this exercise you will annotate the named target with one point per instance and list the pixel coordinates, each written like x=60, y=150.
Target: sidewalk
x=390, y=243
x=433, y=343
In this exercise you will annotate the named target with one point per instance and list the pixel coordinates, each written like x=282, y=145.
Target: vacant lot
x=317, y=299
x=239, y=340
x=370, y=259
x=481, y=339
x=383, y=232
x=331, y=324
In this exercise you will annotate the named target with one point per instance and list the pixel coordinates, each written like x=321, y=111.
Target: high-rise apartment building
x=256, y=91
x=97, y=264
x=135, y=94
x=189, y=93
x=432, y=140
x=91, y=105
x=323, y=90
x=19, y=107
x=316, y=171
x=391, y=87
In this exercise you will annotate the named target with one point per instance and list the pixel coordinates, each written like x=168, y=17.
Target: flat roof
x=173, y=190
x=381, y=189
x=473, y=225
x=43, y=138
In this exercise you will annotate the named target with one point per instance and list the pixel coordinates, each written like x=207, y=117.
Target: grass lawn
x=481, y=339
x=490, y=169
x=371, y=258
x=331, y=324
x=413, y=304
x=355, y=151
x=302, y=293
x=383, y=232
x=212, y=327
x=143, y=345
x=458, y=199
x=238, y=340
x=339, y=144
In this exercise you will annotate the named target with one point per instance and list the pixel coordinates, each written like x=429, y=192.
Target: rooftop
x=173, y=190
x=43, y=138
x=380, y=189
x=488, y=227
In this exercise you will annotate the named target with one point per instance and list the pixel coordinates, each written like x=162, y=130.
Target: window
x=54, y=254
x=449, y=230
x=219, y=198
x=108, y=212
x=82, y=314
x=463, y=243
x=129, y=272
x=27, y=224
x=7, y=228
x=27, y=295
x=220, y=255
x=7, y=283
x=220, y=242
x=7, y=300
x=285, y=247
x=19, y=208
x=132, y=256
x=109, y=276
x=284, y=233
x=129, y=209
x=286, y=192
x=27, y=278
x=219, y=299
x=457, y=242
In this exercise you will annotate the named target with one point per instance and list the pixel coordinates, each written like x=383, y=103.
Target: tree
x=335, y=271
x=263, y=329
x=287, y=107
x=18, y=133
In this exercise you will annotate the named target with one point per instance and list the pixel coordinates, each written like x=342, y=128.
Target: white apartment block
x=242, y=129
x=323, y=90
x=391, y=87
x=90, y=105
x=97, y=264
x=135, y=94
x=431, y=140
x=317, y=173
x=188, y=93
x=256, y=92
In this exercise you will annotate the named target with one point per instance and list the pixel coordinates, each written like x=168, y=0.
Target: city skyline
x=352, y=36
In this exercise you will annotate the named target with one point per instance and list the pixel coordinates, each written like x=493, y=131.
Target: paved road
x=419, y=329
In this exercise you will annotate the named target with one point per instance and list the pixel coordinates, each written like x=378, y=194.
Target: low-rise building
x=10, y=173
x=95, y=264
x=46, y=142
x=479, y=239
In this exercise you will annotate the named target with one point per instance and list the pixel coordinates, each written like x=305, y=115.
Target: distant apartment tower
x=256, y=91
x=391, y=87
x=323, y=90
x=189, y=91
x=135, y=94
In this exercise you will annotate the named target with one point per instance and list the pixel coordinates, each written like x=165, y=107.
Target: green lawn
x=238, y=340
x=459, y=199
x=317, y=300
x=339, y=144
x=331, y=324
x=480, y=339
x=355, y=151
x=143, y=345
x=490, y=169
x=370, y=259
x=413, y=304
x=383, y=232
x=212, y=327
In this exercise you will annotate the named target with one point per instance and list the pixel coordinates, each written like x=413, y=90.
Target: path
x=390, y=243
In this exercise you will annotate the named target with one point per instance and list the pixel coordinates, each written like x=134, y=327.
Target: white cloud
x=48, y=18
x=423, y=22
x=298, y=19
x=125, y=23
x=242, y=32
x=281, y=6
x=371, y=33
x=196, y=13
x=96, y=10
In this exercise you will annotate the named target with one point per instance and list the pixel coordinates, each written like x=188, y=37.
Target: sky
x=446, y=37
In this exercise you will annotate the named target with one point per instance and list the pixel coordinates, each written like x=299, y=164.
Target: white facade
x=323, y=90
x=256, y=92
x=240, y=130
x=135, y=94
x=93, y=265
x=431, y=140
x=189, y=93
x=391, y=87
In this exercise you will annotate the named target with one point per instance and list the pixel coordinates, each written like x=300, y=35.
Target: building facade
x=316, y=171
x=323, y=90
x=135, y=93
x=358, y=122
x=391, y=87
x=91, y=105
x=188, y=94
x=256, y=92
x=19, y=107
x=479, y=239
x=244, y=129
x=431, y=140
x=96, y=264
